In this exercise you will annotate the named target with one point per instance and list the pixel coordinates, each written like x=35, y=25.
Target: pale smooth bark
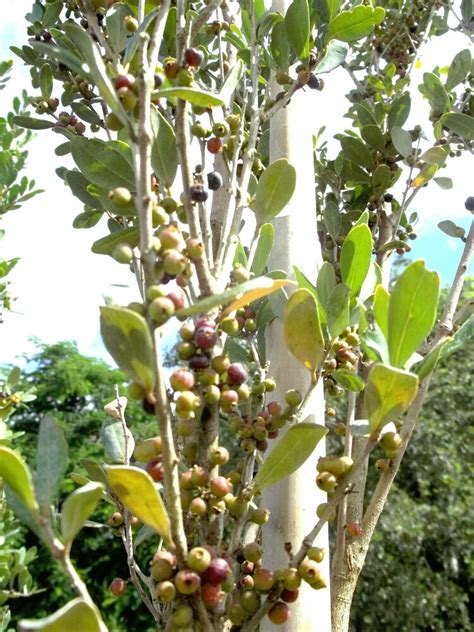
x=293, y=502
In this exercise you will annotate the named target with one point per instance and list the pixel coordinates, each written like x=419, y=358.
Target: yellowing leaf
x=254, y=295
x=302, y=329
x=136, y=490
x=16, y=474
x=76, y=615
x=388, y=393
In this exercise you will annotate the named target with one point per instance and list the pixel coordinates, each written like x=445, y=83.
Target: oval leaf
x=388, y=393
x=412, y=311
x=128, y=340
x=338, y=310
x=164, y=154
x=402, y=141
x=136, y=490
x=102, y=163
x=77, y=508
x=263, y=249
x=450, y=228
x=274, y=191
x=349, y=380
x=106, y=245
x=298, y=27
x=113, y=438
x=192, y=95
x=76, y=615
x=16, y=474
x=381, y=302
x=356, y=255
x=349, y=26
x=302, y=329
x=29, y=122
x=460, y=124
x=289, y=454
x=51, y=461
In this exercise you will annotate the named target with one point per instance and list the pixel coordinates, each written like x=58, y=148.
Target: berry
x=211, y=595
x=263, y=579
x=187, y=582
x=194, y=248
x=120, y=196
x=293, y=398
x=115, y=520
x=279, y=613
x=250, y=601
x=171, y=68
x=118, y=586
x=214, y=145
x=260, y=516
x=220, y=486
x=315, y=554
x=178, y=299
x=354, y=529
x=236, y=374
x=193, y=57
x=174, y=263
x=253, y=552
x=230, y=325
x=199, y=362
x=161, y=309
x=205, y=337
x=309, y=571
x=163, y=565
x=165, y=591
x=219, y=456
x=155, y=470
x=122, y=253
x=124, y=81
x=326, y=481
x=214, y=180
x=289, y=595
x=182, y=380
x=185, y=77
x=130, y=23
x=220, y=129
x=197, y=193
x=469, y=204
x=198, y=559
x=217, y=571
x=229, y=400
x=183, y=615
x=198, y=507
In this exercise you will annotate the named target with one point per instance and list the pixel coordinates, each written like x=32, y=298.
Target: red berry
x=205, y=337
x=193, y=57
x=206, y=322
x=211, y=595
x=236, y=374
x=354, y=529
x=118, y=586
x=214, y=145
x=124, y=81
x=217, y=572
x=289, y=595
x=155, y=470
x=279, y=613
x=220, y=486
x=177, y=298
x=182, y=380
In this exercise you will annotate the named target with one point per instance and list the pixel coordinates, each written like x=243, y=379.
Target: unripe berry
x=291, y=578
x=391, y=441
x=166, y=591
x=326, y=481
x=163, y=565
x=309, y=571
x=120, y=196
x=182, y=380
x=230, y=325
x=161, y=309
x=194, y=248
x=220, y=363
x=253, y=552
x=219, y=456
x=220, y=486
x=118, y=586
x=174, y=262
x=122, y=253
x=293, y=398
x=198, y=559
x=229, y=400
x=115, y=520
x=211, y=595
x=198, y=507
x=315, y=554
x=183, y=615
x=260, y=516
x=130, y=23
x=211, y=394
x=263, y=579
x=220, y=129
x=187, y=582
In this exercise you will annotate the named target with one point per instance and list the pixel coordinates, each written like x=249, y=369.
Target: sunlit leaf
x=356, y=255
x=16, y=474
x=388, y=393
x=302, y=329
x=194, y=96
x=51, y=461
x=298, y=27
x=275, y=189
x=77, y=508
x=264, y=247
x=76, y=615
x=349, y=26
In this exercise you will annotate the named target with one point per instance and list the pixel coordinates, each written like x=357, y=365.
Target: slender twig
x=141, y=11
x=157, y=35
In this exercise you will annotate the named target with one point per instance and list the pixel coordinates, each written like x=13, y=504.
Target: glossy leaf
x=412, y=311
x=28, y=122
x=304, y=282
x=402, y=141
x=431, y=360
x=289, y=454
x=16, y=474
x=388, y=393
x=298, y=28
x=275, y=189
x=399, y=111
x=356, y=151
x=88, y=219
x=113, y=438
x=356, y=255
x=51, y=462
x=263, y=249
x=164, y=152
x=338, y=314
x=195, y=96
x=381, y=303
x=302, y=329
x=425, y=175
x=435, y=92
x=76, y=615
x=136, y=490
x=460, y=124
x=77, y=508
x=115, y=23
x=350, y=26
x=128, y=340
x=102, y=163
x=349, y=380
x=335, y=55
x=106, y=245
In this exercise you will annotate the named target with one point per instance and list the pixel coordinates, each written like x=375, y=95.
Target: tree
x=155, y=92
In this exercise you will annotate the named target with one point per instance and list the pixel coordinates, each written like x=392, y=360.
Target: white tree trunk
x=293, y=502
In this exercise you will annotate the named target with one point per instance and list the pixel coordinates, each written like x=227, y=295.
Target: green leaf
x=350, y=26
x=302, y=329
x=13, y=377
x=263, y=249
x=128, y=340
x=332, y=219
x=76, y=615
x=63, y=55
x=115, y=23
x=95, y=470
x=280, y=46
x=46, y=81
x=85, y=113
x=435, y=92
x=106, y=245
x=449, y=228
x=356, y=254
x=164, y=153
x=89, y=50
x=326, y=283
x=298, y=28
x=459, y=69
x=192, y=95
x=88, y=219
x=399, y=111
x=356, y=151
x=78, y=184
x=51, y=462
x=460, y=124
x=431, y=360
x=102, y=163
x=289, y=454
x=16, y=474
x=381, y=178
x=335, y=55
x=444, y=183
x=402, y=141
x=467, y=11
x=435, y=155
x=349, y=380
x=275, y=189
x=304, y=282
x=77, y=508
x=250, y=291
x=29, y=122
x=374, y=344
x=338, y=310
x=113, y=438
x=412, y=311
x=231, y=82
x=373, y=136
x=388, y=393
x=381, y=303
x=136, y=490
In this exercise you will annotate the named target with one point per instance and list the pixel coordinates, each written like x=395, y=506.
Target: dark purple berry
x=214, y=180
x=197, y=193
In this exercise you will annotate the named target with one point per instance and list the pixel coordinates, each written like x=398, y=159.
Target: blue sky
x=60, y=283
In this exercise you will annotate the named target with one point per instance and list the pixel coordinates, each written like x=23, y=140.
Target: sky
x=60, y=283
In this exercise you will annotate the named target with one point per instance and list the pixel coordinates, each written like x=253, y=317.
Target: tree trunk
x=293, y=502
